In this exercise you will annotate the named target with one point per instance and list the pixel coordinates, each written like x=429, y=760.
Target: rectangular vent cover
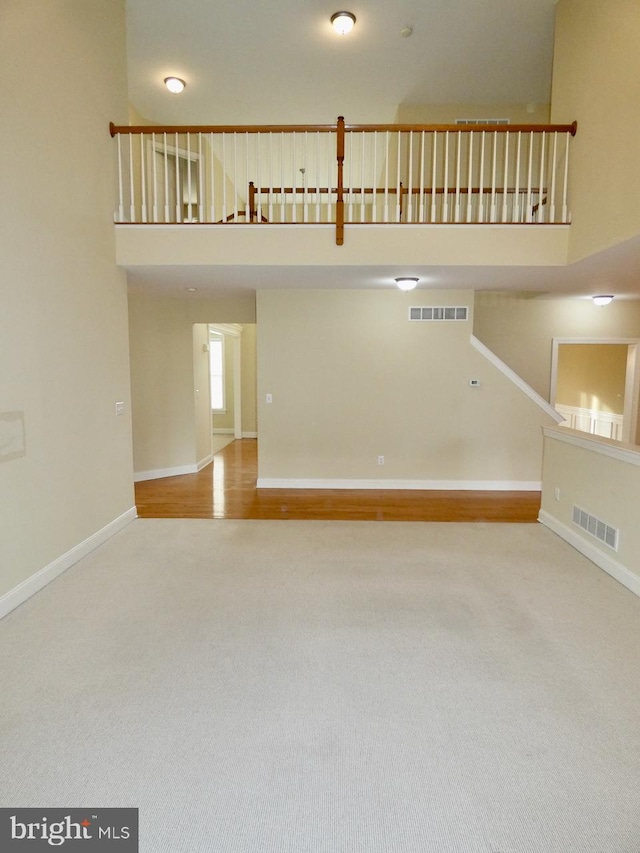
x=438, y=312
x=602, y=531
x=482, y=121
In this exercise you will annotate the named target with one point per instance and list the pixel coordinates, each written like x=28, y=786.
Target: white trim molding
x=159, y=473
x=592, y=421
x=629, y=453
x=612, y=567
x=19, y=594
x=422, y=485
x=517, y=380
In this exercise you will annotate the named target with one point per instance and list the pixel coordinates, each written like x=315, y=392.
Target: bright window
x=216, y=370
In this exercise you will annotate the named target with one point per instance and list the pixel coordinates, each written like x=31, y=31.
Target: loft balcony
x=343, y=194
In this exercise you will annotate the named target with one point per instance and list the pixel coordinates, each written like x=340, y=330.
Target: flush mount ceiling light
x=602, y=300
x=343, y=22
x=174, y=84
x=406, y=284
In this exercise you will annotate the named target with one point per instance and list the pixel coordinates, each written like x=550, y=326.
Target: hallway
x=227, y=489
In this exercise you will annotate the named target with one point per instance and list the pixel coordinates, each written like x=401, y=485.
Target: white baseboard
x=424, y=485
x=249, y=434
x=204, y=462
x=19, y=594
x=139, y=476
x=223, y=431
x=612, y=567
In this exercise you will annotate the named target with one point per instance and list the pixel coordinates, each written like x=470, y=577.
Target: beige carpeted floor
x=331, y=687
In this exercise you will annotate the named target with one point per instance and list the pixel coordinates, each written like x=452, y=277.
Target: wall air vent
x=438, y=312
x=482, y=121
x=597, y=528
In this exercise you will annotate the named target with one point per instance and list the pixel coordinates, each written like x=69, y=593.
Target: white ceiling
x=250, y=62
x=247, y=62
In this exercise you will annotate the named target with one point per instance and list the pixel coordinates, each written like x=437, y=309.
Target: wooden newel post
x=340, y=184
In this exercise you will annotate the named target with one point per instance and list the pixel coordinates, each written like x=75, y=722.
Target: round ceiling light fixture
x=174, y=84
x=602, y=300
x=342, y=22
x=406, y=283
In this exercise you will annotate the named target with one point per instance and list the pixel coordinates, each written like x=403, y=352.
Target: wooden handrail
x=465, y=128
x=221, y=128
x=348, y=128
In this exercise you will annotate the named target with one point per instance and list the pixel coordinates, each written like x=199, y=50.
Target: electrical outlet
x=269, y=398
x=556, y=493
x=380, y=460
x=119, y=408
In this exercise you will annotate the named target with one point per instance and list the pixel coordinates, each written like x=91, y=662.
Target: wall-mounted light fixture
x=602, y=300
x=406, y=283
x=343, y=22
x=174, y=84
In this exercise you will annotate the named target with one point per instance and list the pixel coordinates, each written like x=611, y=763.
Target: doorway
x=594, y=386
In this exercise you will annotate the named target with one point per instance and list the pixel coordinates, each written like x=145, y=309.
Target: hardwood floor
x=227, y=489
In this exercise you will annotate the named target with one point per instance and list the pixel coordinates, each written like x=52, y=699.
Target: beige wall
x=162, y=372
x=201, y=392
x=603, y=486
x=520, y=328
x=225, y=420
x=592, y=376
x=353, y=379
x=449, y=113
x=63, y=321
x=596, y=80
x=249, y=379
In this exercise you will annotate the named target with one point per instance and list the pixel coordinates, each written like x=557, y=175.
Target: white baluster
x=528, y=209
x=469, y=217
x=166, y=180
x=120, y=188
x=235, y=176
x=445, y=198
x=374, y=180
x=505, y=181
x=224, y=178
x=155, y=178
x=363, y=214
x=516, y=200
x=554, y=166
x=409, y=214
x=494, y=153
x=542, y=177
x=189, y=206
x=200, y=180
x=318, y=177
x=386, y=179
x=246, y=177
x=178, y=213
x=212, y=181
x=282, y=207
x=399, y=181
x=481, y=184
x=422, y=157
x=271, y=160
x=456, y=215
x=434, y=185
x=305, y=182
x=143, y=180
x=565, y=213
x=132, y=201
x=349, y=144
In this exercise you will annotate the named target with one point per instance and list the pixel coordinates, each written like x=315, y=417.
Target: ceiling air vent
x=438, y=312
x=602, y=531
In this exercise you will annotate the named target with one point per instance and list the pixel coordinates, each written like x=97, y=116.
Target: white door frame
x=632, y=380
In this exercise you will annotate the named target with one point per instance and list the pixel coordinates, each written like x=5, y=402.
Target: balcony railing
x=341, y=174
